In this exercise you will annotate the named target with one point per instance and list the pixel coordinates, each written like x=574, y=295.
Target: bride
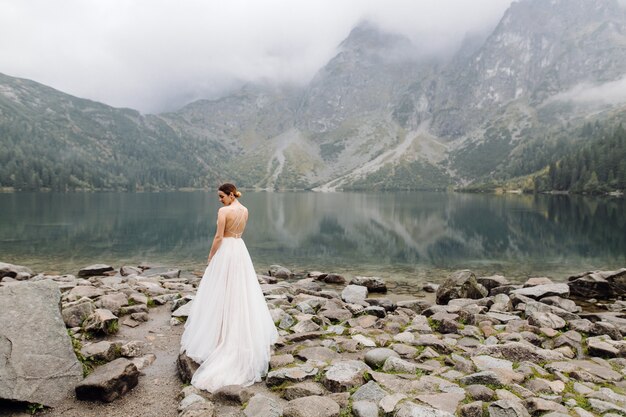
x=229, y=329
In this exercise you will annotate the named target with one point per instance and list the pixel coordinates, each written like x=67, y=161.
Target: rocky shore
x=106, y=342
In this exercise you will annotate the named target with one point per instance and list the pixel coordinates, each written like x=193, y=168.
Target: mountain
x=379, y=115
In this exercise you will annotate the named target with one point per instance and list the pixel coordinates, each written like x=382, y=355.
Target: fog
x=612, y=92
x=157, y=55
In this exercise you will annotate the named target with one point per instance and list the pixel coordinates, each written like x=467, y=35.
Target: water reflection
x=399, y=235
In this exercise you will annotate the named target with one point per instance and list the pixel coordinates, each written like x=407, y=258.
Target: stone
x=480, y=392
x=262, y=406
x=364, y=409
x=278, y=361
x=337, y=315
x=546, y=290
x=376, y=311
x=101, y=321
x=74, y=315
x=233, y=394
x=492, y=281
x=305, y=326
x=507, y=408
x=410, y=409
x=200, y=409
x=133, y=349
x=373, y=284
x=81, y=291
x=101, y=351
x=112, y=302
x=389, y=402
x=184, y=310
x=517, y=351
x=369, y=392
x=563, y=303
x=313, y=406
x=394, y=364
x=94, y=270
x=473, y=409
x=334, y=279
x=291, y=374
x=536, y=405
x=545, y=319
x=377, y=357
x=14, y=271
x=279, y=272
x=365, y=341
x=37, y=360
x=417, y=306
x=302, y=389
x=186, y=367
x=482, y=378
x=343, y=375
x=317, y=354
x=460, y=284
x=447, y=401
x=109, y=381
x=355, y=294
x=189, y=400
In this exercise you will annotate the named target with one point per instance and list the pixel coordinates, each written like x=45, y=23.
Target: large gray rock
x=461, y=284
x=108, y=382
x=599, y=284
x=369, y=392
x=37, y=360
x=313, y=406
x=546, y=290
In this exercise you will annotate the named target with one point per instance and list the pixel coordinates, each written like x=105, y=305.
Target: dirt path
x=159, y=385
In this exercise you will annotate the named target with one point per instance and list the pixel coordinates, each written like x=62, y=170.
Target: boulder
x=546, y=290
x=108, y=382
x=17, y=272
x=373, y=284
x=37, y=360
x=600, y=284
x=355, y=294
x=410, y=409
x=94, y=270
x=75, y=314
x=461, y=284
x=279, y=272
x=186, y=367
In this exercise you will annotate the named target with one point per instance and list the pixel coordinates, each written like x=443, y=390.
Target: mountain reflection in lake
x=403, y=236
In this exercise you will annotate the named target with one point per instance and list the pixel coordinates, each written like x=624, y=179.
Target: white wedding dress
x=229, y=329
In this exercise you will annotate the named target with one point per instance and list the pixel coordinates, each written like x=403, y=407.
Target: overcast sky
x=156, y=55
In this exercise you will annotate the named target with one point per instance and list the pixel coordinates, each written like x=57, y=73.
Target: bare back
x=236, y=219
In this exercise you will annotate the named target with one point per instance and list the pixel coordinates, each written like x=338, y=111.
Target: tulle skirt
x=229, y=329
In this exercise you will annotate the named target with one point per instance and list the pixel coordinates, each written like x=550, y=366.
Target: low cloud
x=160, y=54
x=612, y=92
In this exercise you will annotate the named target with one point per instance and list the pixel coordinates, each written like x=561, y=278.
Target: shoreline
x=471, y=346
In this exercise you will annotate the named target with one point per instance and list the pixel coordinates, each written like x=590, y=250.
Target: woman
x=229, y=329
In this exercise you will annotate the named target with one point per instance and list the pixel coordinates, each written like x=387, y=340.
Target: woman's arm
x=219, y=233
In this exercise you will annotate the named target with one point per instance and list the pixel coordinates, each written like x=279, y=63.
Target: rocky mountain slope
x=378, y=115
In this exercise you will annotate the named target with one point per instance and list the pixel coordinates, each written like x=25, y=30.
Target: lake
x=403, y=236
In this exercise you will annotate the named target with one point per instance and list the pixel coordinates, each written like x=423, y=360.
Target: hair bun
x=237, y=194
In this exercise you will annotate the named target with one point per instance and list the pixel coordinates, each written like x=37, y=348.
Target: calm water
x=414, y=236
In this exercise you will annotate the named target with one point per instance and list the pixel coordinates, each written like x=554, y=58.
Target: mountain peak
x=367, y=36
